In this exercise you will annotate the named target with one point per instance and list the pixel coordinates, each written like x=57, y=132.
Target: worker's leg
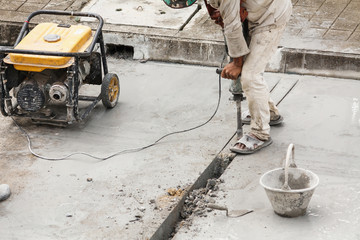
x=274, y=112
x=262, y=47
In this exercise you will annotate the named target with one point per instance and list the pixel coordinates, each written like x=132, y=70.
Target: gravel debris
x=197, y=200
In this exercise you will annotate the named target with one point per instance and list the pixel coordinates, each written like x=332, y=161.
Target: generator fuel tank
x=54, y=38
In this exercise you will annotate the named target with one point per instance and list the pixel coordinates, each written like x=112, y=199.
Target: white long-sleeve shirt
x=262, y=15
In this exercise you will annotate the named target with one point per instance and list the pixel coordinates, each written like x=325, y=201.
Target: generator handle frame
x=98, y=38
x=25, y=27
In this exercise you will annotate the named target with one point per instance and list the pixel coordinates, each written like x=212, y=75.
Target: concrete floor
x=54, y=200
x=126, y=197
x=322, y=119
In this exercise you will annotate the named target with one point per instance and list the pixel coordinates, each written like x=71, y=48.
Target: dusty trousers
x=263, y=45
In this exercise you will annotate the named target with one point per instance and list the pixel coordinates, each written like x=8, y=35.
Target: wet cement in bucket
x=296, y=182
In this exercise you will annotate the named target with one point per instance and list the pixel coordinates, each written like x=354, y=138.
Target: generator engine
x=40, y=77
x=46, y=88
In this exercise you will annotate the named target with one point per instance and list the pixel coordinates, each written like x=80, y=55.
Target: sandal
x=251, y=143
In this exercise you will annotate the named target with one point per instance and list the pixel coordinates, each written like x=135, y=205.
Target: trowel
x=232, y=213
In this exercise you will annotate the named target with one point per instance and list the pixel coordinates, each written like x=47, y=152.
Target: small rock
x=69, y=215
x=139, y=215
x=171, y=191
x=211, y=183
x=142, y=209
x=209, y=200
x=89, y=179
x=4, y=192
x=152, y=200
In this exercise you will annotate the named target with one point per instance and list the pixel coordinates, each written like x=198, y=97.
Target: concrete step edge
x=150, y=46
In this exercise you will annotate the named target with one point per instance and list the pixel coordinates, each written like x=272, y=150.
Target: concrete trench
x=214, y=171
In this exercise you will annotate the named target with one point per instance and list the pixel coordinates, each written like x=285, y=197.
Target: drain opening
x=120, y=51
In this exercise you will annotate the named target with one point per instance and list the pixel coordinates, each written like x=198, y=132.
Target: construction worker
x=266, y=22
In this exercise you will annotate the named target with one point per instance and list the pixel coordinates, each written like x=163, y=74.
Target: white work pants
x=262, y=47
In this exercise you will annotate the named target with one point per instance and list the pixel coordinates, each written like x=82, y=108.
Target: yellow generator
x=41, y=75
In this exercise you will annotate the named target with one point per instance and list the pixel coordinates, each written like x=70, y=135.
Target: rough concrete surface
x=140, y=13
x=325, y=30
x=125, y=197
x=128, y=196
x=322, y=119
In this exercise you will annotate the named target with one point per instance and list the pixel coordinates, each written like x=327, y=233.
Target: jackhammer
x=238, y=97
x=235, y=87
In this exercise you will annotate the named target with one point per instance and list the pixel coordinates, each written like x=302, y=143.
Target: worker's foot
x=4, y=192
x=273, y=122
x=249, y=144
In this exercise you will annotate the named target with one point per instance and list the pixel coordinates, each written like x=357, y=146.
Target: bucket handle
x=290, y=151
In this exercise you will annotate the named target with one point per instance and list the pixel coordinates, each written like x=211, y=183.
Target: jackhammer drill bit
x=238, y=97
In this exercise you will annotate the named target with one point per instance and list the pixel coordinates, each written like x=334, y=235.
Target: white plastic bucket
x=289, y=189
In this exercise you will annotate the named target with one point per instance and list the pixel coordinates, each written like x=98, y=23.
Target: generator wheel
x=110, y=90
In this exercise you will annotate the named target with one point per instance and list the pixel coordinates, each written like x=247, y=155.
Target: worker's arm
x=237, y=46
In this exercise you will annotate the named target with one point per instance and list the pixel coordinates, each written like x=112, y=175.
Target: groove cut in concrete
x=214, y=170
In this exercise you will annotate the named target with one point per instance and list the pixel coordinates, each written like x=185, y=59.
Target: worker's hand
x=215, y=15
x=233, y=69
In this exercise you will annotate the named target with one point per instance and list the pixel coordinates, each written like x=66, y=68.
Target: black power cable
x=123, y=151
